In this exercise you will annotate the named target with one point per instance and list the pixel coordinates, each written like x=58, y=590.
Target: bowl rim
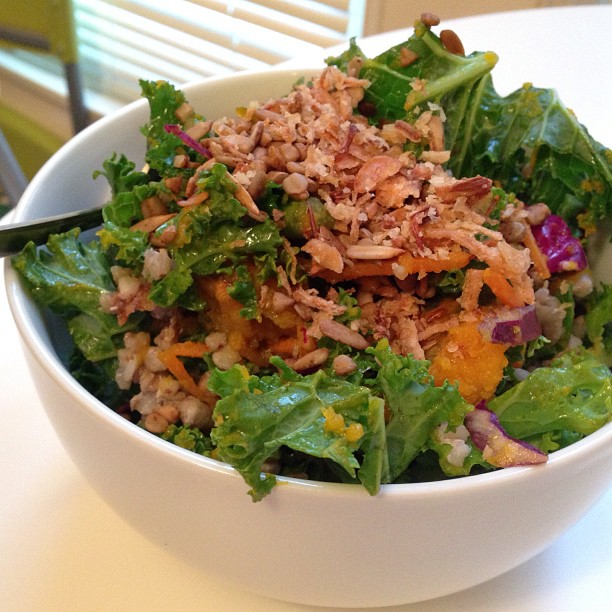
x=20, y=305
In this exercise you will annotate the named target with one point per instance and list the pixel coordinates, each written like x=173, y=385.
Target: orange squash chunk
x=471, y=361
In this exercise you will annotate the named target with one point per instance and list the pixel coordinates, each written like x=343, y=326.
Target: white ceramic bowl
x=313, y=543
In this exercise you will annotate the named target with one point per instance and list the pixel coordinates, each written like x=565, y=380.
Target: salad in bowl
x=379, y=277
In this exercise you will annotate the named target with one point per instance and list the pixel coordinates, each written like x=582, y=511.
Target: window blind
x=122, y=41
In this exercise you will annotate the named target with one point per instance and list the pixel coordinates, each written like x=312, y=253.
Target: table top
x=62, y=548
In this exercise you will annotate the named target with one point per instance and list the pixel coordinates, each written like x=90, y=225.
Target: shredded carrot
x=361, y=269
x=170, y=358
x=283, y=346
x=537, y=257
x=415, y=265
x=188, y=349
x=195, y=199
x=411, y=264
x=502, y=289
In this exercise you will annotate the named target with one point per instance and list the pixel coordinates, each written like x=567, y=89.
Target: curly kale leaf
x=69, y=278
x=211, y=236
x=129, y=188
x=164, y=102
x=535, y=147
x=573, y=394
x=189, y=438
x=99, y=379
x=310, y=414
x=598, y=320
x=243, y=290
x=121, y=174
x=124, y=245
x=416, y=405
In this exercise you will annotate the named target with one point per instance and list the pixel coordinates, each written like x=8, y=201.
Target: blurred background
x=64, y=63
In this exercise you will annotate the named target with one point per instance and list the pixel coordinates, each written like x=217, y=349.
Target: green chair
x=39, y=26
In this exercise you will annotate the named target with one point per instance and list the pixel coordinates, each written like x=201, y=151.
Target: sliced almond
x=150, y=224
x=341, y=333
x=310, y=360
x=372, y=251
x=244, y=197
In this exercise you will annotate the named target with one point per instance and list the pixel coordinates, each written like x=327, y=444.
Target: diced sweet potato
x=275, y=334
x=468, y=359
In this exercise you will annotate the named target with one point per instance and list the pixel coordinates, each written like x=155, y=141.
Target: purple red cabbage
x=563, y=251
x=499, y=449
x=187, y=139
x=512, y=326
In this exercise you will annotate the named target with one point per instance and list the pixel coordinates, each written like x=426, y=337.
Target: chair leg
x=12, y=178
x=80, y=114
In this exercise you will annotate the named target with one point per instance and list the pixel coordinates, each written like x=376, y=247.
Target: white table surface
x=63, y=549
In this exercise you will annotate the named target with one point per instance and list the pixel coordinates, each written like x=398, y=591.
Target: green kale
x=256, y=417
x=129, y=188
x=349, y=301
x=437, y=76
x=124, y=209
x=212, y=236
x=243, y=290
x=598, y=321
x=417, y=406
x=573, y=394
x=99, y=379
x=69, y=277
x=164, y=102
x=302, y=217
x=450, y=283
x=121, y=174
x=342, y=61
x=124, y=245
x=447, y=468
x=535, y=147
x=273, y=197
x=189, y=438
